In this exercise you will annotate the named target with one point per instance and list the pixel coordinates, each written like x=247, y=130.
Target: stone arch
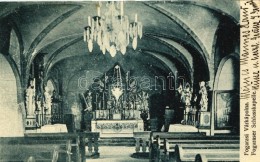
x=221, y=11
x=183, y=26
x=198, y=56
x=47, y=30
x=31, y=53
x=227, y=81
x=58, y=51
x=11, y=103
x=228, y=65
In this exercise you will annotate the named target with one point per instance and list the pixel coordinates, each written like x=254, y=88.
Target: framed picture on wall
x=226, y=109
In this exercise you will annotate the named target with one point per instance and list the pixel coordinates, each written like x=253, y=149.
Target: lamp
x=117, y=89
x=112, y=31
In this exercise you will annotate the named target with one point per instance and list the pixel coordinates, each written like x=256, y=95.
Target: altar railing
x=142, y=141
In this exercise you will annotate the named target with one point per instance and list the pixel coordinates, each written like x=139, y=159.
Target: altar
x=117, y=128
x=115, y=109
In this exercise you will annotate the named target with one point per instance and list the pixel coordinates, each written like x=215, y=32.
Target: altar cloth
x=182, y=128
x=117, y=128
x=55, y=128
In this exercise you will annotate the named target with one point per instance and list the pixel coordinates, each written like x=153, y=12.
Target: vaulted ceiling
x=177, y=35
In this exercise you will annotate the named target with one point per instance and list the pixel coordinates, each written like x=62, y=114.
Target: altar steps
x=117, y=141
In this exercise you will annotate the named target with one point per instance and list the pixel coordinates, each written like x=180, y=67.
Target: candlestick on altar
x=103, y=98
x=96, y=101
x=135, y=17
x=134, y=111
x=105, y=81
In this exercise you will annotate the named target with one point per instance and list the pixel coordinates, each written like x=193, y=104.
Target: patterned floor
x=116, y=154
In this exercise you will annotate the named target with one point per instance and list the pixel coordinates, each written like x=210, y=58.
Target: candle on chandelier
x=98, y=10
x=135, y=17
x=87, y=34
x=89, y=21
x=97, y=24
x=84, y=36
x=122, y=8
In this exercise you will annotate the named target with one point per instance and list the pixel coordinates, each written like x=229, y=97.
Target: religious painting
x=226, y=109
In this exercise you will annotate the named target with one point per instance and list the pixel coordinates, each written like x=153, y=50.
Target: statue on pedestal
x=109, y=104
x=47, y=101
x=204, y=96
x=88, y=102
x=187, y=95
x=39, y=83
x=30, y=99
x=145, y=98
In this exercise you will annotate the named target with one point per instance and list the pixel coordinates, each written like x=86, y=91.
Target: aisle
x=116, y=154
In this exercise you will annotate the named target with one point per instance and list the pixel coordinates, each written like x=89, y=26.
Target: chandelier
x=112, y=31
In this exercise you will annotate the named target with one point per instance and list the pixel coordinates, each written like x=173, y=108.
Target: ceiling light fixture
x=112, y=31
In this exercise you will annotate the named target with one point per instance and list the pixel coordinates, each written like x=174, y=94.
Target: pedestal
x=182, y=128
x=102, y=114
x=48, y=119
x=204, y=119
x=132, y=114
x=169, y=116
x=30, y=123
x=117, y=117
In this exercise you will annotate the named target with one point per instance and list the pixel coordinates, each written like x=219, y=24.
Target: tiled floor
x=116, y=154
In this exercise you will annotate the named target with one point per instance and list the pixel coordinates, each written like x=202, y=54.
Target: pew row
x=68, y=142
x=63, y=146
x=215, y=157
x=81, y=141
x=17, y=148
x=206, y=152
x=157, y=142
x=37, y=153
x=197, y=143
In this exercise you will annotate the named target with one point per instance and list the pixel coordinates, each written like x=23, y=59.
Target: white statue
x=30, y=99
x=187, y=94
x=204, y=97
x=180, y=89
x=181, y=92
x=88, y=102
x=48, y=100
x=145, y=98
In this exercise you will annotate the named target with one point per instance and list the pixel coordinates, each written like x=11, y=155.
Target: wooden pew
x=217, y=157
x=169, y=143
x=157, y=147
x=70, y=146
x=40, y=144
x=211, y=151
x=69, y=143
x=156, y=144
x=22, y=152
x=80, y=141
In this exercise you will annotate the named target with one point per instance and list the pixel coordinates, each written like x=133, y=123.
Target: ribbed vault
x=178, y=35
